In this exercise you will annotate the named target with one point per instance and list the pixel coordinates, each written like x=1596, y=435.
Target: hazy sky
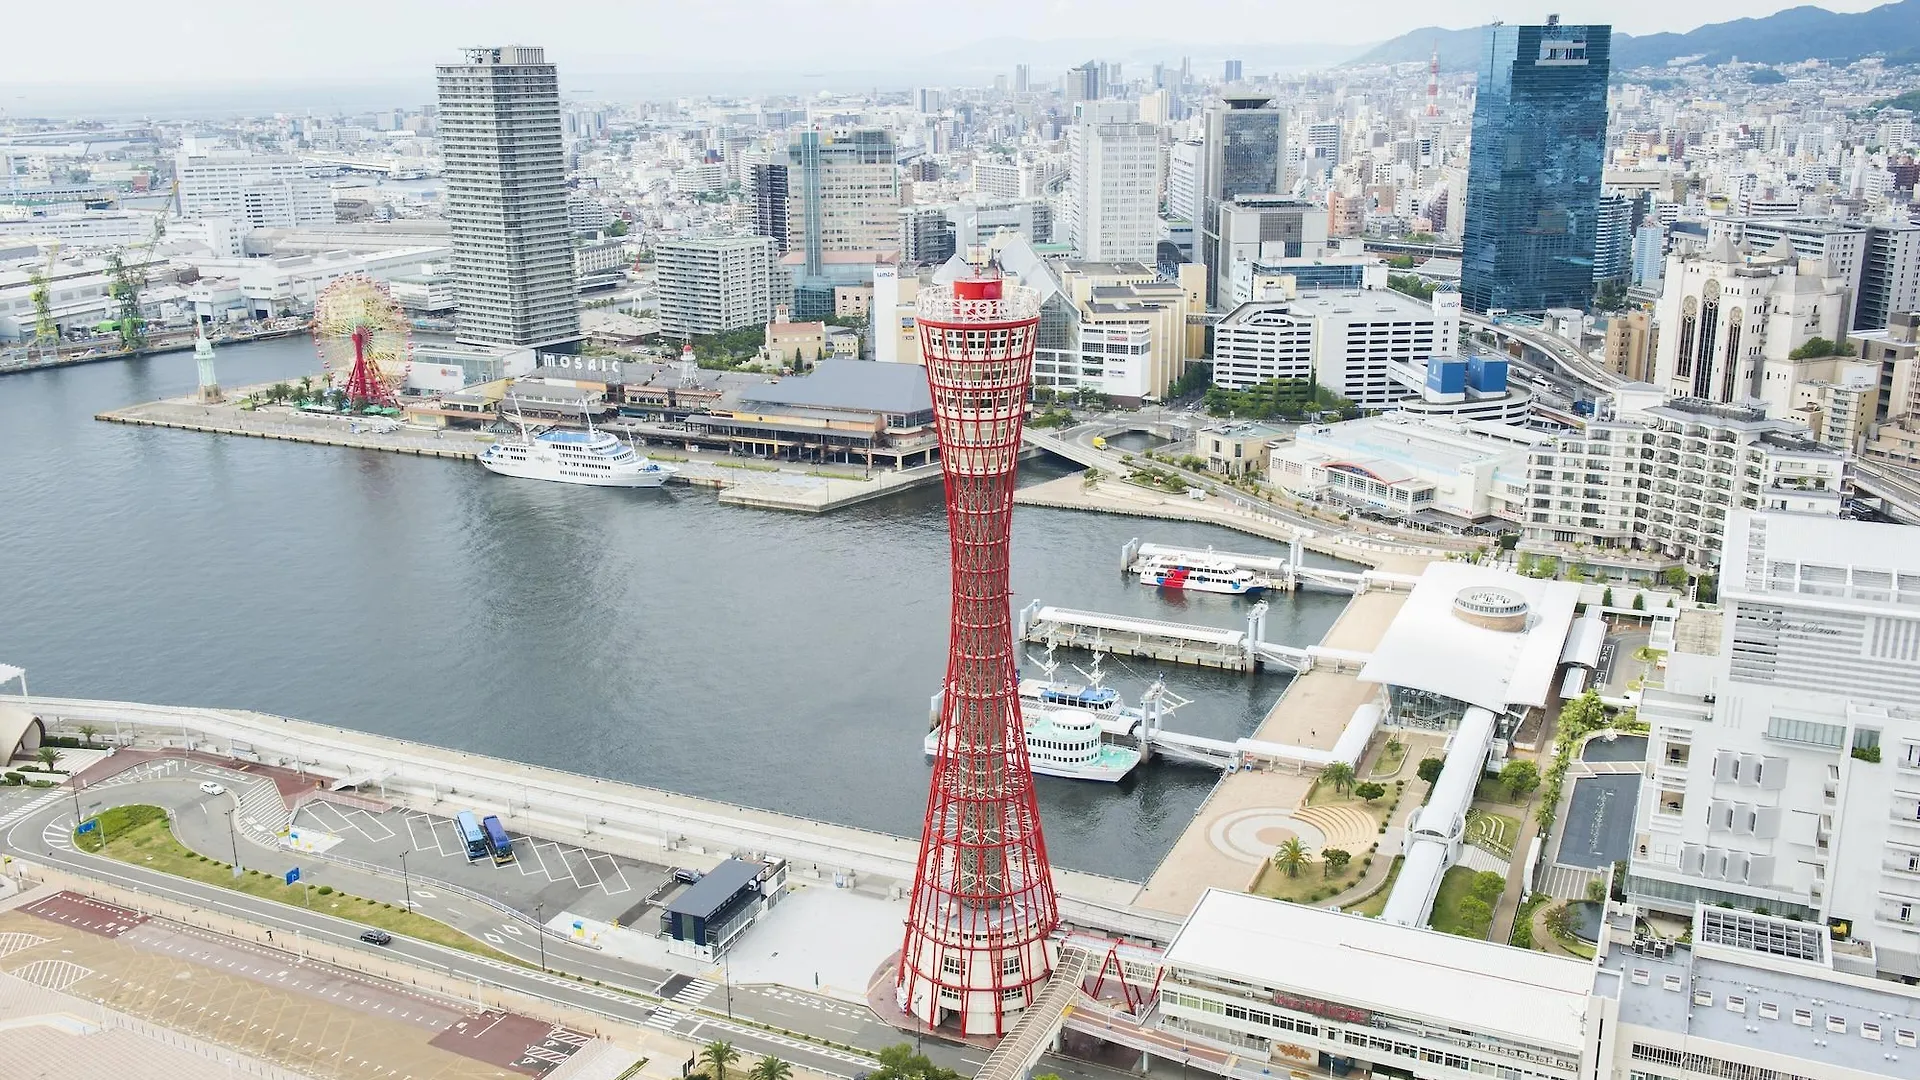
x=211, y=41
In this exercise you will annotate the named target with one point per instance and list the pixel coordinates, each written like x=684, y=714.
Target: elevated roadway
x=1563, y=356
x=1897, y=490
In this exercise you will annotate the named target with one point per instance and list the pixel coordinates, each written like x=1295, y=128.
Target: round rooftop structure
x=1491, y=607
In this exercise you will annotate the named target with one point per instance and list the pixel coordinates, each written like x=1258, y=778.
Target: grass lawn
x=1455, y=886
x=1313, y=884
x=139, y=835
x=1388, y=763
x=1501, y=829
x=1373, y=905
x=1489, y=790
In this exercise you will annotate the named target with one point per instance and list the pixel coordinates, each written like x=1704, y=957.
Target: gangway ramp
x=1125, y=635
x=1038, y=1025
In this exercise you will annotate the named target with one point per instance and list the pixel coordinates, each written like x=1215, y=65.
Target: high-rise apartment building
x=1783, y=756
x=1083, y=83
x=1534, y=169
x=769, y=184
x=1114, y=183
x=926, y=235
x=1613, y=240
x=1649, y=253
x=1245, y=153
x=255, y=191
x=1022, y=78
x=499, y=134
x=1663, y=477
x=1183, y=180
x=711, y=286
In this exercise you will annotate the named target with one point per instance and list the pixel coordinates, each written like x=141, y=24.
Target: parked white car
x=211, y=788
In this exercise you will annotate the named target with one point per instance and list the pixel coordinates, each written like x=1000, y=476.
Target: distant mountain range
x=1785, y=37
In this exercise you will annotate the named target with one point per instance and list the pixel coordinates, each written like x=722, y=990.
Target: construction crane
x=127, y=281
x=45, y=331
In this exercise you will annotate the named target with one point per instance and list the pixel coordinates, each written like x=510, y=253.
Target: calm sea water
x=777, y=660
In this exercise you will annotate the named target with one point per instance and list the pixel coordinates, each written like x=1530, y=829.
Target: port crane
x=128, y=279
x=45, y=331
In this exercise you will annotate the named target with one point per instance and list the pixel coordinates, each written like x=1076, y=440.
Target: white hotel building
x=1784, y=756
x=1350, y=340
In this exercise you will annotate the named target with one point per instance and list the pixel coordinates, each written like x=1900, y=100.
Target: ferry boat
x=587, y=457
x=1067, y=743
x=1200, y=575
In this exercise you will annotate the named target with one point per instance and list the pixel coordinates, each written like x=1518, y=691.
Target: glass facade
x=1534, y=171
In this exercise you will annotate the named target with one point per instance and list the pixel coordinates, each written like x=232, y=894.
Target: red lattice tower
x=360, y=331
x=983, y=901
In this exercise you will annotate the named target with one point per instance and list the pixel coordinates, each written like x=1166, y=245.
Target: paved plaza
x=1599, y=828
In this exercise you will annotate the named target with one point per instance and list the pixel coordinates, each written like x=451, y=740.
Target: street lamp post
x=540, y=932
x=726, y=975
x=405, y=883
x=234, y=840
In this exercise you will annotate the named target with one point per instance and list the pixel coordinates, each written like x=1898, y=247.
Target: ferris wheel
x=361, y=335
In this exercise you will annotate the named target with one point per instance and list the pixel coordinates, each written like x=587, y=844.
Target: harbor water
x=777, y=660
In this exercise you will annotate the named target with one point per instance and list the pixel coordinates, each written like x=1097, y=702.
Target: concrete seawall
x=642, y=823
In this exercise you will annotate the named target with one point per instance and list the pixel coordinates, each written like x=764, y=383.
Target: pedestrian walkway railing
x=1022, y=1046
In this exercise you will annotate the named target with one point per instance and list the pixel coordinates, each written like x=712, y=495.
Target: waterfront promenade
x=741, y=482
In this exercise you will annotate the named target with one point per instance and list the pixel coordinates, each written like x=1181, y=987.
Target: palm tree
x=771, y=1068
x=87, y=732
x=1291, y=856
x=48, y=756
x=1339, y=774
x=717, y=1056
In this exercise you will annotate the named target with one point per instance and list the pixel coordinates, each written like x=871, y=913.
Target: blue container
x=1487, y=374
x=1447, y=376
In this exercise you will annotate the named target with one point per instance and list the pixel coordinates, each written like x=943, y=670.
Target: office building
x=1113, y=198
x=1230, y=72
x=767, y=181
x=712, y=286
x=1022, y=78
x=1348, y=341
x=1244, y=154
x=1730, y=317
x=1663, y=476
x=844, y=196
x=505, y=172
x=1083, y=83
x=1534, y=167
x=926, y=235
x=976, y=224
x=1629, y=346
x=1895, y=349
x=1266, y=229
x=1889, y=277
x=1878, y=263
x=1183, y=180
x=253, y=190
x=1784, y=753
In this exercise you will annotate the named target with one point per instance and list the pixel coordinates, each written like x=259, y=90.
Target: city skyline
x=357, y=41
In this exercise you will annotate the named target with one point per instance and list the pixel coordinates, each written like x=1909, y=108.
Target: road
x=43, y=833
x=1570, y=358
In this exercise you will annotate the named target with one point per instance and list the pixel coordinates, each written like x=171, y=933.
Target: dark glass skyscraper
x=1533, y=177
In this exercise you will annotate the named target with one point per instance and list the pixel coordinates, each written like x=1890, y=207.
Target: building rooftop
x=1362, y=302
x=1514, y=994
x=1829, y=558
x=1400, y=443
x=1762, y=1000
x=711, y=892
x=1428, y=647
x=861, y=385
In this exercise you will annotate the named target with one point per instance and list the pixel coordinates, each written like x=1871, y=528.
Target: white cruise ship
x=1201, y=575
x=574, y=457
x=1066, y=743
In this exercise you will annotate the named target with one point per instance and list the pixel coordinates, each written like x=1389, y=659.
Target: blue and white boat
x=589, y=457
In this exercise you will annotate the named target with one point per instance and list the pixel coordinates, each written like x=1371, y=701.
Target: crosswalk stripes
x=664, y=1019
x=1566, y=882
x=694, y=992
x=22, y=811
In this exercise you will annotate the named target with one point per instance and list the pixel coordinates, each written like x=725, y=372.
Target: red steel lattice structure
x=983, y=901
x=358, y=326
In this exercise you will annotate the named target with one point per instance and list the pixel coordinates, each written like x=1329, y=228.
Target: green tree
x=1819, y=346
x=1487, y=886
x=47, y=756
x=1639, y=601
x=1429, y=769
x=1334, y=860
x=1596, y=890
x=772, y=1068
x=1674, y=577
x=1707, y=589
x=716, y=1056
x=899, y=1062
x=1606, y=597
x=1475, y=917
x=1291, y=856
x=1370, y=791
x=1520, y=777
x=87, y=732
x=1339, y=774
x=617, y=228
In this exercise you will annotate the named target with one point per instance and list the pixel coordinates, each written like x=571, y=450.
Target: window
x=953, y=965
x=1010, y=965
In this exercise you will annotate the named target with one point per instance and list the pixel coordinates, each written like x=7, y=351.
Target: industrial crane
x=129, y=280
x=45, y=330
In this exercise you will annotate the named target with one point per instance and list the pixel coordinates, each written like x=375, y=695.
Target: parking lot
x=545, y=874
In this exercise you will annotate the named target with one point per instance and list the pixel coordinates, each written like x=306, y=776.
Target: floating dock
x=1280, y=572
x=1155, y=639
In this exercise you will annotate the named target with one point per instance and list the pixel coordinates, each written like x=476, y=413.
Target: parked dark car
x=686, y=876
x=376, y=937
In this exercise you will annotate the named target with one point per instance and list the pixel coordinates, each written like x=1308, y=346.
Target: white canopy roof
x=1430, y=648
